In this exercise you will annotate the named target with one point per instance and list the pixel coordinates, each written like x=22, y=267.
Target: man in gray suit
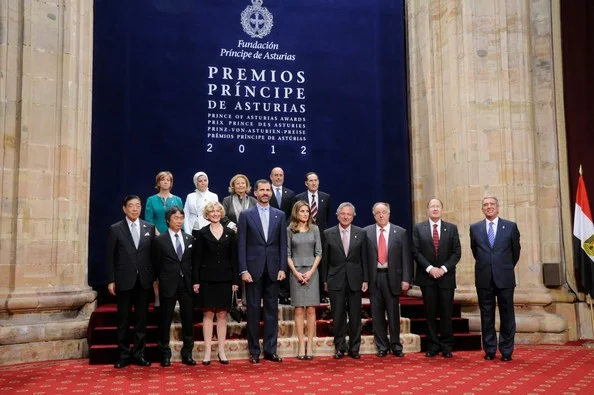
x=495, y=244
x=436, y=249
x=344, y=272
x=390, y=274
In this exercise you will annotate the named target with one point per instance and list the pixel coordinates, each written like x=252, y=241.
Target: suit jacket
x=230, y=210
x=167, y=265
x=216, y=260
x=399, y=258
x=254, y=251
x=497, y=262
x=323, y=202
x=448, y=253
x=335, y=264
x=286, y=203
x=124, y=261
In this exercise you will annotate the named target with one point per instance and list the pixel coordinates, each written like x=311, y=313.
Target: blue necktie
x=178, y=247
x=264, y=219
x=491, y=234
x=279, y=196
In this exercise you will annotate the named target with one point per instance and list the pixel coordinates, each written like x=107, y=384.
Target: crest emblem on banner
x=256, y=20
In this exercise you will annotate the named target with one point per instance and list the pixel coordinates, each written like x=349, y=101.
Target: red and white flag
x=583, y=232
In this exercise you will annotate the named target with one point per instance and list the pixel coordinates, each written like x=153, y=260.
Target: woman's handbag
x=234, y=311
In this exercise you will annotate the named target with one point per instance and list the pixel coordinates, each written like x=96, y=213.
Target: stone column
x=45, y=65
x=482, y=121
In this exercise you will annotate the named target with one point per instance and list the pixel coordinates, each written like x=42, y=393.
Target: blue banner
x=242, y=86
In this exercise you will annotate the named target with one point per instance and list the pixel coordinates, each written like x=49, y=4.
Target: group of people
x=278, y=245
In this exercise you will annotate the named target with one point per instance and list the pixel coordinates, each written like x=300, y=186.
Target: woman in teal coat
x=156, y=206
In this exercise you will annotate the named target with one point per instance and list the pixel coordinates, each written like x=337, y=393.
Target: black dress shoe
x=339, y=355
x=382, y=353
x=506, y=358
x=489, y=357
x=166, y=362
x=399, y=354
x=254, y=358
x=142, y=362
x=188, y=361
x=447, y=354
x=430, y=354
x=355, y=355
x=121, y=363
x=272, y=358
x=223, y=361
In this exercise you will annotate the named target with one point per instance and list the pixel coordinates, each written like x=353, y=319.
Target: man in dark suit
x=436, y=249
x=262, y=255
x=495, y=244
x=319, y=203
x=345, y=276
x=172, y=261
x=282, y=199
x=130, y=277
x=390, y=273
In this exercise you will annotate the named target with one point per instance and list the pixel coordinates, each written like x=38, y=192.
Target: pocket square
x=147, y=234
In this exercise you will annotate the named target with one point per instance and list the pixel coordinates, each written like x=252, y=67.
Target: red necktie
x=382, y=253
x=314, y=208
x=435, y=239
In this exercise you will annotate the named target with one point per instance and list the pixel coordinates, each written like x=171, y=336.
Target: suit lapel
x=256, y=218
x=169, y=245
x=127, y=234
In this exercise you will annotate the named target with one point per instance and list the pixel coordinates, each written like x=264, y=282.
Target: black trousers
x=439, y=302
x=384, y=303
x=507, y=318
x=342, y=301
x=137, y=297
x=186, y=312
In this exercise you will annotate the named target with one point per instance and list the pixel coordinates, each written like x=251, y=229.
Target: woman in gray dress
x=305, y=252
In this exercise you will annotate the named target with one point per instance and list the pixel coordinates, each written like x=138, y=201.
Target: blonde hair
x=161, y=175
x=235, y=178
x=212, y=206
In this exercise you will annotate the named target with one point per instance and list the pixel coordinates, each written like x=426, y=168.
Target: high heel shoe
x=309, y=356
x=223, y=361
x=301, y=357
x=205, y=363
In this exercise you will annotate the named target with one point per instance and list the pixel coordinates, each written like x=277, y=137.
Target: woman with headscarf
x=194, y=208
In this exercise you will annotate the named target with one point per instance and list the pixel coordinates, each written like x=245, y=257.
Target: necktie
x=279, y=196
x=264, y=219
x=178, y=247
x=314, y=207
x=135, y=234
x=382, y=253
x=491, y=235
x=435, y=239
x=345, y=242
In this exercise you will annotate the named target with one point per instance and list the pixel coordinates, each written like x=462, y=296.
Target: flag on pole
x=583, y=232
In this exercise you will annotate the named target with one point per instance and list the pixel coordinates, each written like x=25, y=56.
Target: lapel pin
x=503, y=227
x=355, y=236
x=143, y=225
x=444, y=229
x=147, y=234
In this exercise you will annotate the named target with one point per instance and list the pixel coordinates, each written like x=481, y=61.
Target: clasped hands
x=436, y=272
x=303, y=278
x=247, y=277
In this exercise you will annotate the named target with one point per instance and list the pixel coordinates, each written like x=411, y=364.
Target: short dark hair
x=261, y=181
x=173, y=210
x=130, y=197
x=311, y=173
